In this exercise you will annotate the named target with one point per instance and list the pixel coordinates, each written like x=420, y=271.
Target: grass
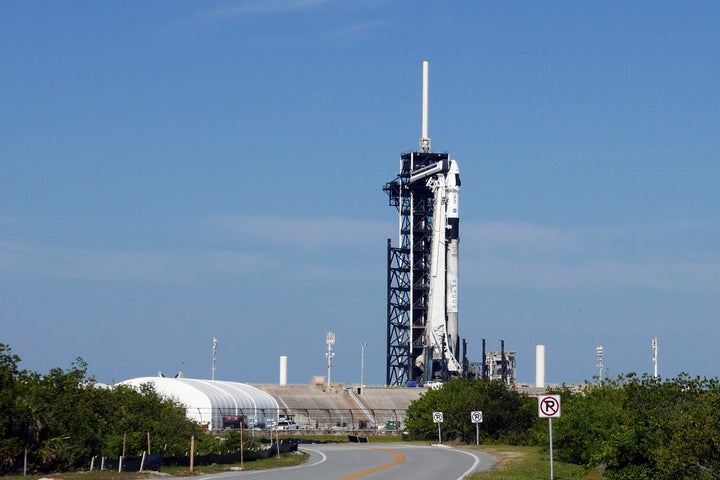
x=285, y=460
x=528, y=463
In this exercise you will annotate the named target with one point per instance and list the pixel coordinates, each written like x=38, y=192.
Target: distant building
x=216, y=404
x=497, y=369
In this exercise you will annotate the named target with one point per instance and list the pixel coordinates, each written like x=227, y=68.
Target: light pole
x=362, y=365
x=599, y=354
x=330, y=341
x=655, y=357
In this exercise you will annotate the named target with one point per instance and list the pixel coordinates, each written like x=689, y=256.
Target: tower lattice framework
x=408, y=266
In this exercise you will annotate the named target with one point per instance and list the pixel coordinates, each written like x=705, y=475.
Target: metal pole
x=362, y=365
x=439, y=434
x=552, y=474
x=477, y=434
x=277, y=443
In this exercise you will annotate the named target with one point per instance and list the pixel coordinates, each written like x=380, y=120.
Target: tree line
x=629, y=428
x=633, y=427
x=63, y=418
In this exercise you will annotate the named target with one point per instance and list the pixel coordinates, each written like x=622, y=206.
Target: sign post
x=438, y=418
x=476, y=418
x=549, y=407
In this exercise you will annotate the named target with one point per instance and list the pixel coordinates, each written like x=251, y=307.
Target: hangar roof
x=208, y=401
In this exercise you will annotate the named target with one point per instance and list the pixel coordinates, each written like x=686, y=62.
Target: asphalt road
x=390, y=461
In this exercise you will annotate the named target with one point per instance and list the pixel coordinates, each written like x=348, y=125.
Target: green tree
x=63, y=418
x=507, y=414
x=11, y=446
x=643, y=428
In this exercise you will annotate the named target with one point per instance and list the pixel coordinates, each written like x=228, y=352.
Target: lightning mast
x=422, y=294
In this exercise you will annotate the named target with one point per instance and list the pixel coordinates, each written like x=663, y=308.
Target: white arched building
x=215, y=404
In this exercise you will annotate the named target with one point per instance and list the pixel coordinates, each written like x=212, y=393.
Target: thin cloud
x=605, y=275
x=95, y=264
x=494, y=254
x=357, y=29
x=660, y=256
x=494, y=234
x=308, y=233
x=248, y=9
x=335, y=23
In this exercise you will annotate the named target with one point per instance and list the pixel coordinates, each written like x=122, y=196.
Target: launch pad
x=422, y=271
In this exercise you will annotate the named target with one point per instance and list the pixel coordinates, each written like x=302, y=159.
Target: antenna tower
x=214, y=348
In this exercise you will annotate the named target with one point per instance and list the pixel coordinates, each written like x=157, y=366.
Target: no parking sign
x=549, y=406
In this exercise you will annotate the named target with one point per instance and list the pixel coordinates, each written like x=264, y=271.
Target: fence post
x=192, y=453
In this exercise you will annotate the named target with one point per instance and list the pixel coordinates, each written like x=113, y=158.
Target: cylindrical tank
x=283, y=370
x=540, y=366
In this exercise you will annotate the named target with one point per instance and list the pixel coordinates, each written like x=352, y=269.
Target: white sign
x=476, y=417
x=437, y=417
x=549, y=406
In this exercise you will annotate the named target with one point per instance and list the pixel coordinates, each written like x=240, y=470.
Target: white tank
x=283, y=370
x=540, y=366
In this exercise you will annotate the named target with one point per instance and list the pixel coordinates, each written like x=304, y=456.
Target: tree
x=10, y=445
x=63, y=418
x=643, y=428
x=507, y=414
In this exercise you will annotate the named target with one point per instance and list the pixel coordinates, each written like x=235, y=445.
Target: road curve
x=390, y=461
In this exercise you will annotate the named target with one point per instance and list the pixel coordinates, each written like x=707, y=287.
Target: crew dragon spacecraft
x=423, y=343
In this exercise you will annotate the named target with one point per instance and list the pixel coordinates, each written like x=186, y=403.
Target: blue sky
x=178, y=171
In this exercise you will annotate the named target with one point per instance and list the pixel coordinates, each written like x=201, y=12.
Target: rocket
x=452, y=239
x=441, y=330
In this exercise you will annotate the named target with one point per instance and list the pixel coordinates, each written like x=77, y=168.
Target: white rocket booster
x=442, y=322
x=452, y=236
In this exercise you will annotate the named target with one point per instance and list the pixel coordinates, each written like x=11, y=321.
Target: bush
x=507, y=414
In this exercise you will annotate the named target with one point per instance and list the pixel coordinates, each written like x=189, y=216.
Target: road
x=389, y=461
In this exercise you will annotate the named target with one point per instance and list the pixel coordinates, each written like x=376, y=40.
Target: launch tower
x=422, y=271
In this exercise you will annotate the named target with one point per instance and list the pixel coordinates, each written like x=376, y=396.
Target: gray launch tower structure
x=422, y=271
